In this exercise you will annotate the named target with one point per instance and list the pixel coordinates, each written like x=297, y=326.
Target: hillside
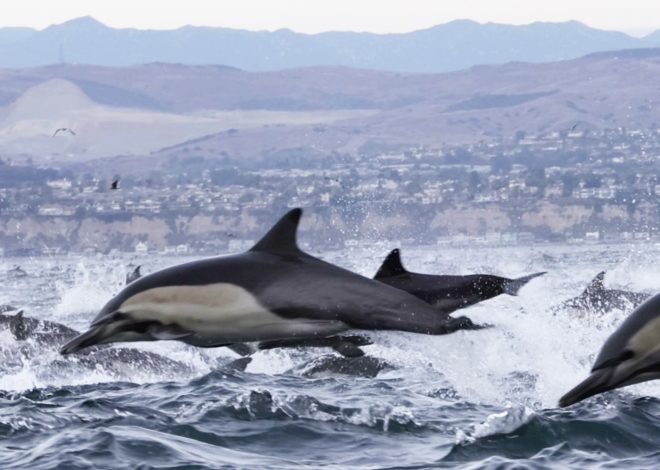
x=328, y=110
x=93, y=130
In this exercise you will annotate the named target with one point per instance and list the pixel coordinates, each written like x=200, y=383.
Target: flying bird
x=574, y=126
x=64, y=129
x=115, y=184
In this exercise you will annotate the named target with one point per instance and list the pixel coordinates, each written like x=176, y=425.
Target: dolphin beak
x=94, y=335
x=599, y=381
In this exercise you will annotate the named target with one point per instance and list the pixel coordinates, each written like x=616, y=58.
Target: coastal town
x=576, y=186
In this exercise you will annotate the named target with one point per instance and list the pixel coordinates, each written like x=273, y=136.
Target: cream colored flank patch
x=221, y=312
x=647, y=339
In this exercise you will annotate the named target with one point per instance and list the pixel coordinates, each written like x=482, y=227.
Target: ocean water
x=475, y=399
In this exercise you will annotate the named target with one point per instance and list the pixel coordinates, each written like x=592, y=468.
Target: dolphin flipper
x=347, y=346
x=168, y=332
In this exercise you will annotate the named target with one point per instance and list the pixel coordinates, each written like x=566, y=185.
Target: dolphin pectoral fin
x=347, y=346
x=168, y=332
x=512, y=286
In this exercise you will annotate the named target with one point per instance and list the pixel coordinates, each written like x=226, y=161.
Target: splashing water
x=472, y=399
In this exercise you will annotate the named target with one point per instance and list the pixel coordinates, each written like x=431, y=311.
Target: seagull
x=115, y=184
x=64, y=129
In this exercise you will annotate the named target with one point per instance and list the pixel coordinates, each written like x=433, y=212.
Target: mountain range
x=447, y=47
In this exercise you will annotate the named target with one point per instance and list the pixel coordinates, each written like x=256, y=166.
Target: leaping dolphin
x=274, y=291
x=46, y=334
x=630, y=355
x=447, y=293
x=347, y=346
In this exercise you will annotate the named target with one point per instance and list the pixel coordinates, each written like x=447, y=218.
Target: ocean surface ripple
x=475, y=399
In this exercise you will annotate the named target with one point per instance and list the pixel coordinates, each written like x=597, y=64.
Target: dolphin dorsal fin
x=392, y=265
x=19, y=327
x=281, y=238
x=596, y=283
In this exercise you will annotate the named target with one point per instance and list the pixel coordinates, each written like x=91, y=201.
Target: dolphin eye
x=627, y=354
x=118, y=315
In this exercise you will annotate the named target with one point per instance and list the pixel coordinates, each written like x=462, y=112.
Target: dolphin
x=23, y=328
x=17, y=271
x=630, y=355
x=364, y=366
x=597, y=298
x=274, y=291
x=347, y=346
x=45, y=333
x=447, y=293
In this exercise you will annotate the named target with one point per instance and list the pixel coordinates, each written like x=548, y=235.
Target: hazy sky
x=632, y=16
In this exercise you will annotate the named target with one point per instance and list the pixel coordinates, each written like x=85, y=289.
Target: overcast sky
x=310, y=16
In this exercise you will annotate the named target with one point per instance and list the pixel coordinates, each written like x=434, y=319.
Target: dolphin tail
x=597, y=382
x=512, y=286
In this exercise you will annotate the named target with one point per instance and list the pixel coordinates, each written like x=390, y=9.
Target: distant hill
x=447, y=47
x=214, y=111
x=93, y=130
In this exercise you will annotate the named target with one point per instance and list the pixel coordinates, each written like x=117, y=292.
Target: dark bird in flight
x=64, y=129
x=574, y=126
x=115, y=184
